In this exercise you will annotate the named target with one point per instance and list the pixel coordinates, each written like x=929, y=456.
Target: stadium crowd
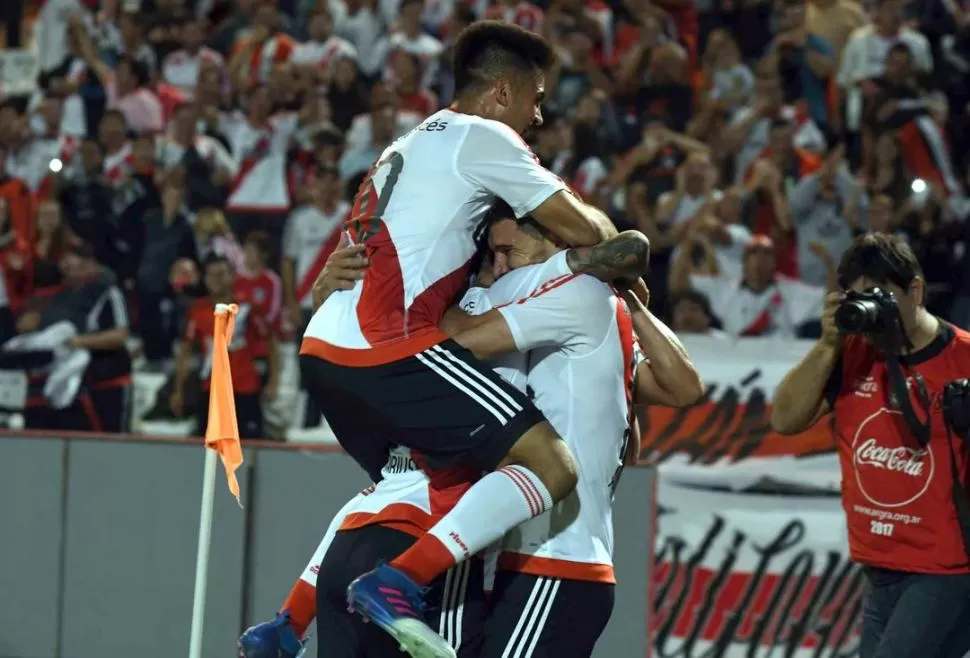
x=178, y=153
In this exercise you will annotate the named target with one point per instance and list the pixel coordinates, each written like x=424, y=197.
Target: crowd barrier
x=99, y=534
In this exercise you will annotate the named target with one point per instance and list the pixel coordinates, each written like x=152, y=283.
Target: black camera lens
x=857, y=316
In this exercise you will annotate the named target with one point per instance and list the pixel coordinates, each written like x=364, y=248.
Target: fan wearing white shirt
x=324, y=49
x=181, y=68
x=410, y=38
x=760, y=302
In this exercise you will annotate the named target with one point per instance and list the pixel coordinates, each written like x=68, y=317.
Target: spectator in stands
x=92, y=305
x=260, y=288
x=181, y=68
x=126, y=85
x=825, y=210
x=383, y=122
x=691, y=314
x=407, y=71
x=323, y=50
x=16, y=233
x=804, y=62
x=311, y=235
x=51, y=241
x=167, y=238
x=759, y=303
x=256, y=54
x=213, y=236
x=346, y=93
x=250, y=327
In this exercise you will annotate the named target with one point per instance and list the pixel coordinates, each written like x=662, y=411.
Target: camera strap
x=900, y=391
x=961, y=501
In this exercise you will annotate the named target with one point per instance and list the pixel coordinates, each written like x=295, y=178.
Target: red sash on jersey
x=310, y=276
x=764, y=321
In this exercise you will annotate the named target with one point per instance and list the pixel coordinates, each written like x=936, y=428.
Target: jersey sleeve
x=494, y=157
x=476, y=301
x=561, y=313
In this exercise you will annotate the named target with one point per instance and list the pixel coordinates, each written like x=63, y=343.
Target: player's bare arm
x=668, y=378
x=624, y=256
x=578, y=224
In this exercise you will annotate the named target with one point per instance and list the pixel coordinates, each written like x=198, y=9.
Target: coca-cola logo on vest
x=889, y=474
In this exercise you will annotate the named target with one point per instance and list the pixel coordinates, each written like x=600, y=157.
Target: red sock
x=427, y=559
x=302, y=606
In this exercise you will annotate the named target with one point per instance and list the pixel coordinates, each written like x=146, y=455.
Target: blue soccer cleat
x=390, y=599
x=271, y=639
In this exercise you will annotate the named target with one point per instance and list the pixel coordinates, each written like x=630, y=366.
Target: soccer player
x=547, y=286
x=374, y=357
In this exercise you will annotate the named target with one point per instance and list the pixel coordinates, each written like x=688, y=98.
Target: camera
x=871, y=312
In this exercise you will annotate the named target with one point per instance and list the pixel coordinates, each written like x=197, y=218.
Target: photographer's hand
x=830, y=333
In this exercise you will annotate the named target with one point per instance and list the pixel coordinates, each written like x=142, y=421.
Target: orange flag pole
x=222, y=438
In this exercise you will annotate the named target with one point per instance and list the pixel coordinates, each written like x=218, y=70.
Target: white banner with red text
x=725, y=441
x=752, y=576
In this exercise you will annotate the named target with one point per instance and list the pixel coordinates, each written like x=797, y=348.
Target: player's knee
x=543, y=452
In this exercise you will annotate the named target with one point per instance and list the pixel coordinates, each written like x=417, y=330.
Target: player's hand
x=343, y=270
x=176, y=403
x=830, y=333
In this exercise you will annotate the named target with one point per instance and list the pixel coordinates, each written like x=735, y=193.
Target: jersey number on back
x=367, y=215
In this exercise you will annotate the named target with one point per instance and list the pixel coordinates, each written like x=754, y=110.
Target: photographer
x=892, y=373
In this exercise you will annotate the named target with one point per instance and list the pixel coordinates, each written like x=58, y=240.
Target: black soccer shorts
x=538, y=617
x=442, y=402
x=456, y=600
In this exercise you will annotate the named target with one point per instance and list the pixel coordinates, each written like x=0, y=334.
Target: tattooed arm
x=625, y=256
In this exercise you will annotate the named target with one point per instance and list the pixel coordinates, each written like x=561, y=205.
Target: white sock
x=494, y=505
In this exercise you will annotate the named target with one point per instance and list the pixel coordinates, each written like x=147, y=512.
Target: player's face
x=513, y=248
x=523, y=110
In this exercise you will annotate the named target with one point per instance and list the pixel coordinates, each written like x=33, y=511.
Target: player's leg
x=455, y=411
x=282, y=636
x=544, y=617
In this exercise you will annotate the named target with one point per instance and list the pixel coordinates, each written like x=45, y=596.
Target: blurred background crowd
x=176, y=153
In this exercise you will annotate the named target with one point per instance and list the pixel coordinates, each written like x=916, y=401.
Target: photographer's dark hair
x=881, y=258
x=488, y=50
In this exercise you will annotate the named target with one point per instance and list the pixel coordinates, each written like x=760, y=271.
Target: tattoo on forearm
x=624, y=256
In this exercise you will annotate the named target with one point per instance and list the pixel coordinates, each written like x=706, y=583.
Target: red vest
x=897, y=495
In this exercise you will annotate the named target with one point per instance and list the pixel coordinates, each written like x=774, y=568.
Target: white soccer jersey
x=417, y=211
x=582, y=361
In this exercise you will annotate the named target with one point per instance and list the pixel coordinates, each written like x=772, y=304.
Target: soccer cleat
x=387, y=597
x=271, y=639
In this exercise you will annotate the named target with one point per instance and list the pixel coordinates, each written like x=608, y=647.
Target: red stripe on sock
x=530, y=482
x=522, y=482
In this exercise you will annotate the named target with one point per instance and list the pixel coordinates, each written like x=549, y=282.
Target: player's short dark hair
x=405, y=3
x=489, y=49
x=501, y=210
x=881, y=258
